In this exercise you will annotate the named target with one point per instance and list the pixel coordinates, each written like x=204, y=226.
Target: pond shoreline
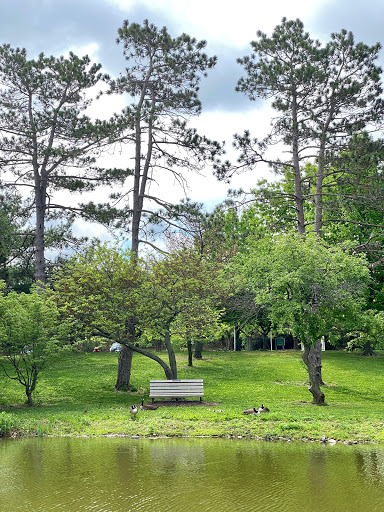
x=268, y=438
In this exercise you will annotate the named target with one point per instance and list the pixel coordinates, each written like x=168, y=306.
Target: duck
x=147, y=407
x=250, y=411
x=262, y=409
x=133, y=410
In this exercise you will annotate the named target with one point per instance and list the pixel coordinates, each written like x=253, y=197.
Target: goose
x=133, y=410
x=262, y=409
x=147, y=407
x=250, y=411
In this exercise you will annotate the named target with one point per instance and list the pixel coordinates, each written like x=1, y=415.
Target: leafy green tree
x=47, y=143
x=367, y=332
x=310, y=291
x=245, y=315
x=101, y=292
x=111, y=294
x=183, y=291
x=354, y=195
x=32, y=336
x=352, y=218
x=353, y=198
x=197, y=324
x=217, y=237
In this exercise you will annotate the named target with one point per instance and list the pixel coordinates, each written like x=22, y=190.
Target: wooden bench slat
x=173, y=383
x=176, y=392
x=176, y=388
x=176, y=381
x=181, y=392
x=187, y=388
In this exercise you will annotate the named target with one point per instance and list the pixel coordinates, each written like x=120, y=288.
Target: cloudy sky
x=90, y=26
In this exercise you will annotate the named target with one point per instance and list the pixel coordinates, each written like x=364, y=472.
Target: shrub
x=8, y=424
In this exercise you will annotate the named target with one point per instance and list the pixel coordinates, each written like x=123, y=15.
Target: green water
x=122, y=474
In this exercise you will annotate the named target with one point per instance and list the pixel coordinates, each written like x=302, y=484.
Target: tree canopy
x=162, y=80
x=47, y=143
x=32, y=336
x=309, y=290
x=323, y=94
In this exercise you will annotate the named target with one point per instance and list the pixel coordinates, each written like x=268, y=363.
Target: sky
x=56, y=27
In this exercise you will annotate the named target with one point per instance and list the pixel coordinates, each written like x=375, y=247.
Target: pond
x=123, y=474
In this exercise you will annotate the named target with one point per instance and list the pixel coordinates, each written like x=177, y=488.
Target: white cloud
x=232, y=24
x=83, y=228
x=90, y=49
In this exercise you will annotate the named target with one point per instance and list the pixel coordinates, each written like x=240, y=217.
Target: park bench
x=176, y=388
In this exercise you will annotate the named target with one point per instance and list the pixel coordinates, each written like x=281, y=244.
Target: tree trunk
x=40, y=273
x=139, y=186
x=319, y=191
x=136, y=211
x=320, y=174
x=312, y=359
x=189, y=346
x=198, y=350
x=30, y=384
x=299, y=199
x=158, y=345
x=171, y=355
x=40, y=195
x=124, y=369
x=368, y=348
x=265, y=341
x=237, y=341
x=141, y=171
x=29, y=397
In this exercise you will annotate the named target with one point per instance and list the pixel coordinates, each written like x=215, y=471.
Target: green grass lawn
x=77, y=397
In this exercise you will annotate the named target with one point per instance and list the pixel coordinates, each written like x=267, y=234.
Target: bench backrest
x=176, y=388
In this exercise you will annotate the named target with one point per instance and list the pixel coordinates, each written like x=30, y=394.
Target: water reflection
x=117, y=474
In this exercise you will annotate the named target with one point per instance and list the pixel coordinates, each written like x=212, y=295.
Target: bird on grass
x=133, y=411
x=262, y=409
x=147, y=407
x=250, y=411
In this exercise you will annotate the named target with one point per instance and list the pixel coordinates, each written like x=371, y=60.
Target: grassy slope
x=84, y=382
